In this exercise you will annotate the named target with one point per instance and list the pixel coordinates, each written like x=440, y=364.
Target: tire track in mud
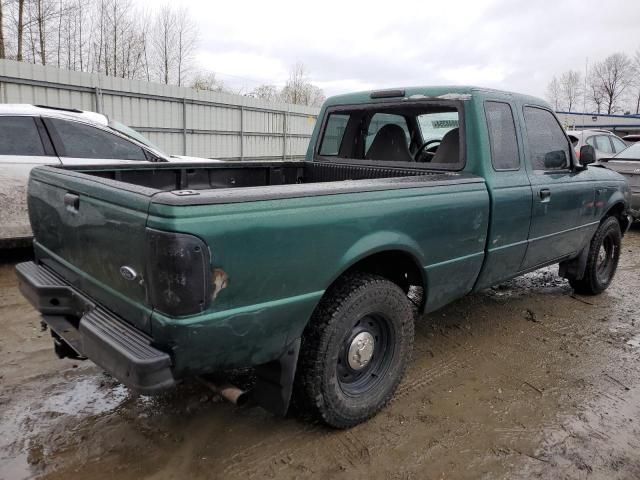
x=436, y=370
x=247, y=461
x=339, y=448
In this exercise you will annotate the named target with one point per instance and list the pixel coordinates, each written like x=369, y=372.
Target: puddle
x=634, y=342
x=85, y=397
x=37, y=411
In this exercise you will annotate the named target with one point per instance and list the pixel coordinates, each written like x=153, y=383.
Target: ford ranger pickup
x=314, y=272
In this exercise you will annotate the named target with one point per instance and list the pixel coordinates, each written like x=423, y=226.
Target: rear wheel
x=602, y=259
x=355, y=350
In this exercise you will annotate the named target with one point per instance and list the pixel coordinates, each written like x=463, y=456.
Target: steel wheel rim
x=358, y=381
x=606, y=259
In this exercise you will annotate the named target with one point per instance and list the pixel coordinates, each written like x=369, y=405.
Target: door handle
x=545, y=195
x=72, y=202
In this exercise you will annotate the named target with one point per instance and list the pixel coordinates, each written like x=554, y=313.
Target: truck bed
x=192, y=184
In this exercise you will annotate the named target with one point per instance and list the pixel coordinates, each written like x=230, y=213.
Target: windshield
x=130, y=132
x=631, y=153
x=433, y=126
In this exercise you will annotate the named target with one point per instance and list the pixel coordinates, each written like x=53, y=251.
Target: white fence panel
x=181, y=121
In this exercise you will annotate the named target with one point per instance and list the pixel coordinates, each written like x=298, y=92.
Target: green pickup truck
x=314, y=272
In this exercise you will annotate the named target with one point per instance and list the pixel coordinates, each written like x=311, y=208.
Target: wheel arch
x=400, y=261
x=617, y=210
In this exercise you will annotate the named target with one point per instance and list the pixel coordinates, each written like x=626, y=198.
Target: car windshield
x=130, y=132
x=434, y=126
x=631, y=153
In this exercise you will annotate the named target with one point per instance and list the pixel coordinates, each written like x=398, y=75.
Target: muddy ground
x=525, y=380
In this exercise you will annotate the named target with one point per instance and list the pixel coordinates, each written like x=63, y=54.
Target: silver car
x=628, y=164
x=605, y=143
x=33, y=135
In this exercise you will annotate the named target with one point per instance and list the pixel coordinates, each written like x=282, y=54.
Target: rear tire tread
x=309, y=394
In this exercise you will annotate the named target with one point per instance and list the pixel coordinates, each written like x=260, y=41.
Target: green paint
x=281, y=255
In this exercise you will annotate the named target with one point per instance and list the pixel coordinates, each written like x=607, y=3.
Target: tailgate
x=91, y=231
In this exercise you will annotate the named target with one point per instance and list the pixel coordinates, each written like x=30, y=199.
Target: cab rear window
x=418, y=134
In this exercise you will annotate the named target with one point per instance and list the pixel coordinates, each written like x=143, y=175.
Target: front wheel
x=354, y=350
x=602, y=259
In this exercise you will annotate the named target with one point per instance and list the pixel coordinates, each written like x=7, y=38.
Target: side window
x=603, y=144
x=84, y=141
x=547, y=145
x=19, y=136
x=333, y=133
x=618, y=145
x=378, y=121
x=502, y=136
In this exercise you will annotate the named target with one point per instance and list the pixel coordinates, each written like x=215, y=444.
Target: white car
x=33, y=135
x=605, y=143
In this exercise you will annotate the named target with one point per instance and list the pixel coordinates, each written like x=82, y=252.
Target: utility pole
x=584, y=92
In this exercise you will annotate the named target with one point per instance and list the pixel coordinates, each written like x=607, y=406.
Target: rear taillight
x=578, y=153
x=178, y=270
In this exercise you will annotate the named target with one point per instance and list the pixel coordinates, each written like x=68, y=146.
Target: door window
x=547, y=144
x=603, y=144
x=502, y=136
x=618, y=145
x=84, y=141
x=19, y=136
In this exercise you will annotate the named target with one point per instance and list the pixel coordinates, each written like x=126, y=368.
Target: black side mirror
x=587, y=155
x=555, y=160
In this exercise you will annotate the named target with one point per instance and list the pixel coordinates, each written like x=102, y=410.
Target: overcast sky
x=347, y=45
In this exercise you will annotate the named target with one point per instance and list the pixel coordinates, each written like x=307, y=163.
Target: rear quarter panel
x=281, y=255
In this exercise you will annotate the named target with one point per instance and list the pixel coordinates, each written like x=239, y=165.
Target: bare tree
x=266, y=92
x=208, y=81
x=613, y=76
x=595, y=93
x=570, y=88
x=164, y=42
x=173, y=41
x=553, y=93
x=186, y=32
x=2, y=49
x=20, y=29
x=299, y=89
x=42, y=15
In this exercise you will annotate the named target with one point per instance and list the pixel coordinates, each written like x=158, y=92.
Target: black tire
x=602, y=259
x=358, y=306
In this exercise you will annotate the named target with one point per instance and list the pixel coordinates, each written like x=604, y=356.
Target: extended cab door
x=82, y=144
x=510, y=193
x=562, y=196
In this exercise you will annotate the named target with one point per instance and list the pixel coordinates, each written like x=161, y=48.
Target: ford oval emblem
x=128, y=273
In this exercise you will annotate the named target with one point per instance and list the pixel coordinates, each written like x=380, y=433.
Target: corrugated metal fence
x=182, y=121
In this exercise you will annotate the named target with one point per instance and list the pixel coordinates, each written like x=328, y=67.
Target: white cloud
x=475, y=75
x=346, y=45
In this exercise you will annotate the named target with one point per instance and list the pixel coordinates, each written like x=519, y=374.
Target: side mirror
x=587, y=155
x=555, y=160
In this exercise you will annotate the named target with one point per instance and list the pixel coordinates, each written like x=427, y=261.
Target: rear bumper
x=123, y=351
